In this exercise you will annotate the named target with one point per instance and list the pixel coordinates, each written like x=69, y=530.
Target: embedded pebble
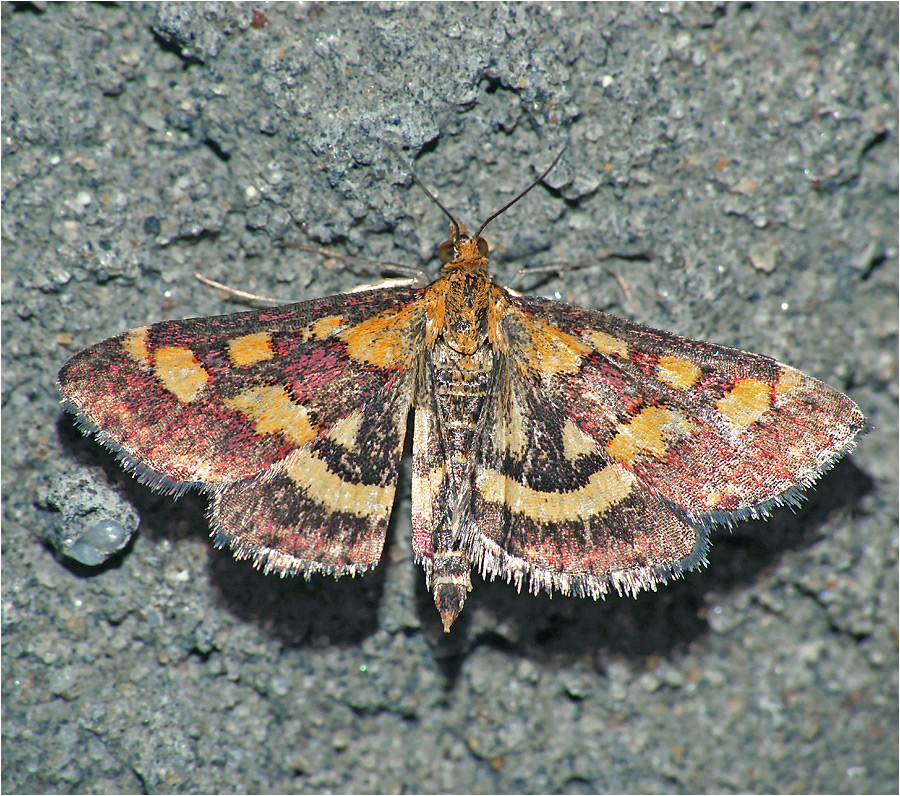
x=92, y=522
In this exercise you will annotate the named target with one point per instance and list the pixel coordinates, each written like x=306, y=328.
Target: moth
x=557, y=447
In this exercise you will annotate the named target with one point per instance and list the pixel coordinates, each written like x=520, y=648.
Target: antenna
x=434, y=199
x=428, y=193
x=510, y=204
x=449, y=215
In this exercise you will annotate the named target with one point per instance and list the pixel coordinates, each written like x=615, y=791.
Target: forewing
x=720, y=433
x=292, y=417
x=617, y=446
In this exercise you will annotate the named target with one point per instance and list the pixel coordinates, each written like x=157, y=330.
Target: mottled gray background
x=750, y=149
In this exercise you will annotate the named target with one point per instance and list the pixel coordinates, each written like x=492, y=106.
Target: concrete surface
x=751, y=150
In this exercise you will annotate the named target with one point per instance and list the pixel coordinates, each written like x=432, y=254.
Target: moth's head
x=461, y=247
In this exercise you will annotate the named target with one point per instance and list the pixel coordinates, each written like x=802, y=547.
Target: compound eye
x=446, y=252
x=482, y=245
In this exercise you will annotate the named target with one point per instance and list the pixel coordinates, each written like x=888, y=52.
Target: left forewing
x=293, y=418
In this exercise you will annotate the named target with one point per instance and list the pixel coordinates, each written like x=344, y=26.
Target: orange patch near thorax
x=383, y=340
x=549, y=351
